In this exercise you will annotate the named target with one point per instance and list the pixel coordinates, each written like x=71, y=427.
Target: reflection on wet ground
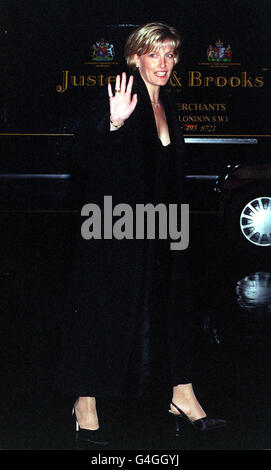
x=233, y=299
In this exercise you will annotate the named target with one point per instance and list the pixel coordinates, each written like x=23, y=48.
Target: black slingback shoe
x=87, y=436
x=202, y=424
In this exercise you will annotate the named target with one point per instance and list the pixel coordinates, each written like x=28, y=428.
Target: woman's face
x=155, y=67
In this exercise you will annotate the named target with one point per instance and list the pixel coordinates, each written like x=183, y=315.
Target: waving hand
x=121, y=104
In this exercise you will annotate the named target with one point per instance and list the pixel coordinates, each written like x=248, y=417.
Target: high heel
x=89, y=436
x=202, y=424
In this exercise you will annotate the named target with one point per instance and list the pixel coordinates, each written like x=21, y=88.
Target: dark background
x=39, y=39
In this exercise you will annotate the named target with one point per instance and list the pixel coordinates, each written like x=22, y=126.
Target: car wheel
x=248, y=219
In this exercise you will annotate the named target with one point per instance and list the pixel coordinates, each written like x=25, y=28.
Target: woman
x=125, y=292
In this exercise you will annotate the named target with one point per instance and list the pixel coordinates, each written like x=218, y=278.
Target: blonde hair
x=150, y=37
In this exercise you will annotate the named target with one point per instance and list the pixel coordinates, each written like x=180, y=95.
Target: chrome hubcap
x=255, y=221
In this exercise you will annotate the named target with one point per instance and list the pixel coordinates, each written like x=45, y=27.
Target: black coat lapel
x=145, y=105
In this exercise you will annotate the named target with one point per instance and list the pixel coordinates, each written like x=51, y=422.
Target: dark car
x=221, y=87
x=235, y=183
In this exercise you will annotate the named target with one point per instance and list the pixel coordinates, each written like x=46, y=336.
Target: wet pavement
x=232, y=294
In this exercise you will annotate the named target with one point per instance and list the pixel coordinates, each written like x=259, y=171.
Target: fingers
x=130, y=84
x=123, y=83
x=110, y=93
x=120, y=85
x=117, y=86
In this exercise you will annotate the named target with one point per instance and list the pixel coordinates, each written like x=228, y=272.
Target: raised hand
x=121, y=104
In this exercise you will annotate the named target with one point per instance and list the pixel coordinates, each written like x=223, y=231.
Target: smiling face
x=155, y=67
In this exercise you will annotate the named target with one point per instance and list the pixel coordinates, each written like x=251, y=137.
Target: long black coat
x=109, y=296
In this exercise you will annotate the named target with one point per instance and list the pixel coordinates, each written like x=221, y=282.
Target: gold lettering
x=201, y=106
x=221, y=81
x=64, y=86
x=207, y=80
x=111, y=79
x=211, y=107
x=195, y=118
x=223, y=118
x=259, y=82
x=194, y=78
x=174, y=80
x=100, y=80
x=246, y=81
x=81, y=80
x=234, y=81
x=91, y=80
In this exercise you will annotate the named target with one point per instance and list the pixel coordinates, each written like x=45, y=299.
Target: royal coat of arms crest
x=102, y=51
x=219, y=52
